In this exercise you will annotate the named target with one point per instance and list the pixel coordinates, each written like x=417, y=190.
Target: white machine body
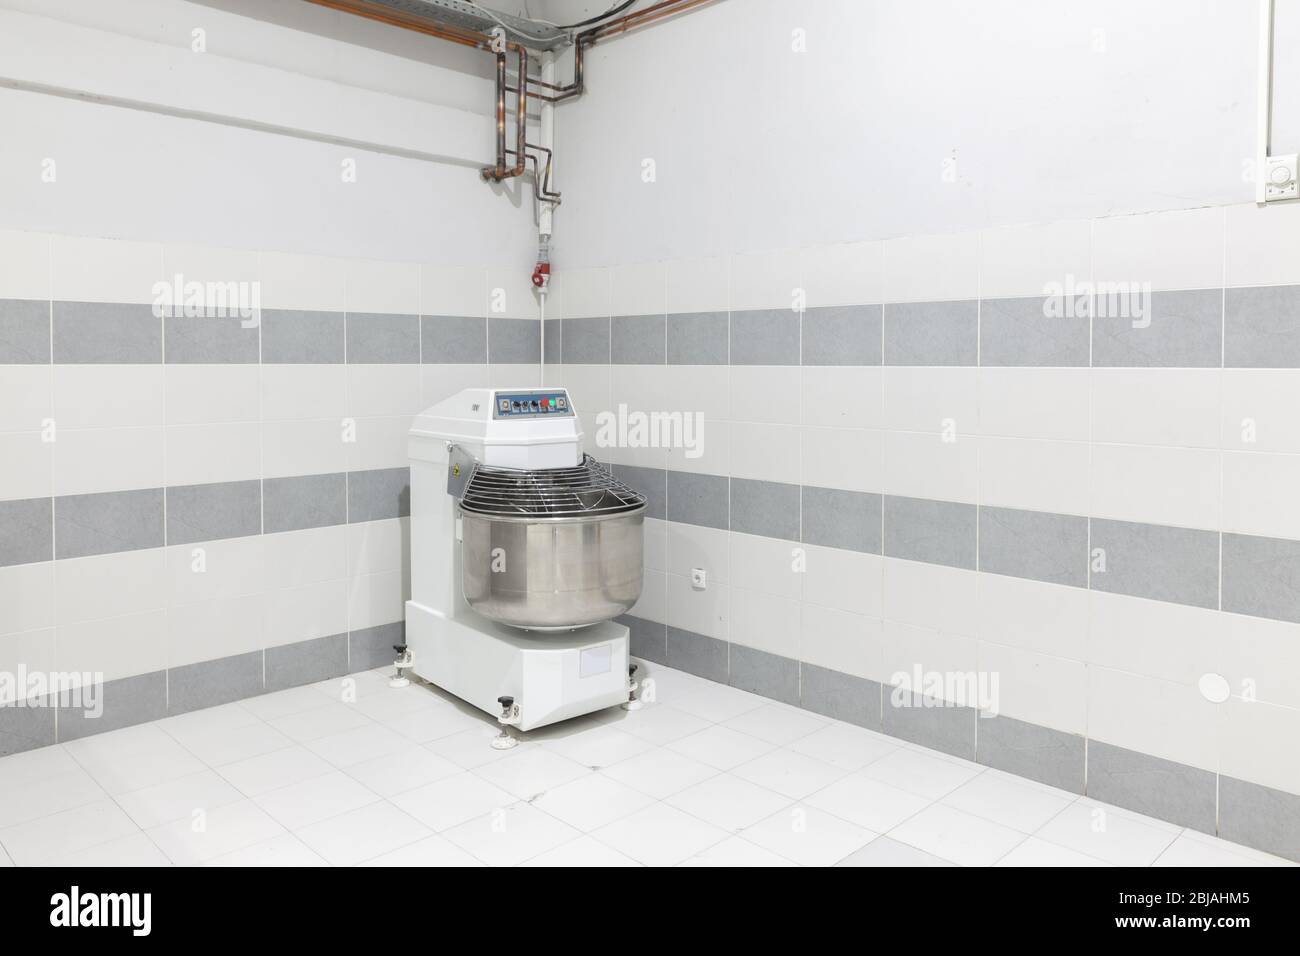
x=551, y=676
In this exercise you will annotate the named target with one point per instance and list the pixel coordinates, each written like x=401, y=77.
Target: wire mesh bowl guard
x=586, y=491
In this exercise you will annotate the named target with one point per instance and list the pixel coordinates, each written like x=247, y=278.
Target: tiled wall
x=202, y=511
x=922, y=468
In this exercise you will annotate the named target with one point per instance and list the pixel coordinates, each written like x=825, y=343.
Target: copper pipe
x=374, y=11
x=667, y=8
x=521, y=111
x=499, y=172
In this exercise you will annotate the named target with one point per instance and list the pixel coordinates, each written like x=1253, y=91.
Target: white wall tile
x=298, y=558
x=200, y=263
x=1155, y=638
x=1151, y=716
x=850, y=273
x=219, y=569
x=26, y=597
x=1182, y=249
x=910, y=589
x=693, y=546
x=1157, y=406
x=844, y=580
x=373, y=286
x=1034, y=402
x=200, y=454
x=928, y=399
x=303, y=448
x=1034, y=475
x=1050, y=619
x=655, y=545
x=24, y=265
x=105, y=270
x=765, y=280
x=1261, y=658
x=510, y=294
x=704, y=612
x=1018, y=261
x=1259, y=744
x=852, y=459
x=298, y=392
x=372, y=546
x=653, y=603
x=842, y=641
x=924, y=466
x=453, y=290
x=639, y=289
x=383, y=390
x=906, y=648
x=302, y=614
x=765, y=564
x=34, y=651
x=375, y=599
x=764, y=452
x=1258, y=409
x=1259, y=494
x=763, y=393
x=583, y=293
x=1173, y=486
x=1048, y=691
x=380, y=443
x=28, y=470
x=842, y=396
x=26, y=397
x=313, y=283
x=109, y=585
x=215, y=629
x=697, y=285
x=204, y=394
x=932, y=268
x=117, y=647
x=765, y=622
x=1261, y=244
x=443, y=381
x=101, y=396
x=107, y=459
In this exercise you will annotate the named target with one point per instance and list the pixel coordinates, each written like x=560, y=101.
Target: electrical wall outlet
x=699, y=579
x=1280, y=178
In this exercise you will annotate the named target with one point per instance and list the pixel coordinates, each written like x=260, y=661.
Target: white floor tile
x=510, y=835
x=431, y=851
x=362, y=834
x=530, y=772
x=868, y=802
x=32, y=766
x=845, y=746
x=434, y=723
x=599, y=746
x=728, y=802
x=717, y=703
x=302, y=804
x=808, y=836
x=789, y=773
x=396, y=773
x=1188, y=851
x=776, y=723
x=737, y=851
x=395, y=703
x=1100, y=832
x=283, y=850
x=584, y=852
x=353, y=687
x=882, y=851
x=37, y=842
x=135, y=768
x=453, y=801
x=270, y=771
x=473, y=748
x=178, y=799
x=964, y=839
x=220, y=745
x=1001, y=799
x=660, y=772
x=283, y=703
x=1266, y=859
x=134, y=849
x=591, y=801
x=661, y=684
x=661, y=725
x=922, y=774
x=223, y=830
x=721, y=748
x=222, y=717
x=332, y=718
x=660, y=835
x=1036, y=852
x=43, y=795
x=358, y=745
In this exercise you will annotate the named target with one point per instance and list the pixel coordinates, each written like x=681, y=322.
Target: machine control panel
x=541, y=402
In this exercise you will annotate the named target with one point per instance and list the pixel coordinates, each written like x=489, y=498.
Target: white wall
x=155, y=176
x=758, y=147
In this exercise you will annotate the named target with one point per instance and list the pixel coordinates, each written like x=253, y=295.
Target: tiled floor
x=356, y=772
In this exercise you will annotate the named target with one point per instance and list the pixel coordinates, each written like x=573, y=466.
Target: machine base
x=551, y=677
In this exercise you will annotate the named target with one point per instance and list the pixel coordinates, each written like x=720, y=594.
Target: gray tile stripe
x=1253, y=327
x=1247, y=813
x=34, y=530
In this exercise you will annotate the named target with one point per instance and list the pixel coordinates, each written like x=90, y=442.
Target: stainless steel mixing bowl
x=551, y=550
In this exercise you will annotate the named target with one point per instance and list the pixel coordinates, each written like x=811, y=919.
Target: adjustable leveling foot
x=508, y=717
